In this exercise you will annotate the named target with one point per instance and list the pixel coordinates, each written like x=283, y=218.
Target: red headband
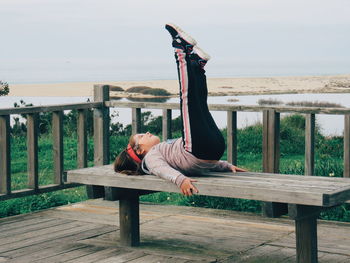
x=132, y=154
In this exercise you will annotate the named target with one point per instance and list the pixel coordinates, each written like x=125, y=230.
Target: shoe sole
x=190, y=40
x=201, y=53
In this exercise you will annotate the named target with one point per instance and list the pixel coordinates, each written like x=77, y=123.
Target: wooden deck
x=88, y=232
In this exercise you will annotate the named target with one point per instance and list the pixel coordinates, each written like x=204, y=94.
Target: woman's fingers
x=237, y=169
x=240, y=170
x=194, y=189
x=188, y=188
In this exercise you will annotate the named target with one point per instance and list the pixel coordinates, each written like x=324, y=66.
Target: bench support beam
x=129, y=220
x=305, y=231
x=117, y=193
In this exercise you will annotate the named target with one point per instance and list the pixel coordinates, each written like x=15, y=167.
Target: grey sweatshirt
x=170, y=161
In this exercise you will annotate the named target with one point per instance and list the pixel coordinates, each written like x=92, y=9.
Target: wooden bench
x=305, y=196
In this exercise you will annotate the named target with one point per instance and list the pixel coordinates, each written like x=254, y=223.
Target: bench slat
x=287, y=185
x=286, y=180
x=256, y=186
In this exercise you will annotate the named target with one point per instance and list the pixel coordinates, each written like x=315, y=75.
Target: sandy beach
x=216, y=86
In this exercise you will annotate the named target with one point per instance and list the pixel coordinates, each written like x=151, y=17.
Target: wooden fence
x=101, y=106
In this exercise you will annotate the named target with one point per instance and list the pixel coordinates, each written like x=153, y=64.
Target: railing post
x=232, y=137
x=166, y=124
x=136, y=120
x=82, y=139
x=309, y=144
x=101, y=136
x=57, y=133
x=5, y=153
x=271, y=141
x=32, y=142
x=346, y=145
x=271, y=156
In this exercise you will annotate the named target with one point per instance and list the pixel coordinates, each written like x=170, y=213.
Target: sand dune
x=216, y=86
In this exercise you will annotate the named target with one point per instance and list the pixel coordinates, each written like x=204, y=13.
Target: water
x=330, y=124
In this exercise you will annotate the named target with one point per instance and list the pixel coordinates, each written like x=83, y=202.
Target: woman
x=202, y=144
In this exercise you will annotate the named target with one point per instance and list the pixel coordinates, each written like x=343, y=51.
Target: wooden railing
x=32, y=114
x=101, y=106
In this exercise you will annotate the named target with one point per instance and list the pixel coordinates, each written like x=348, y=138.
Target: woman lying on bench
x=202, y=144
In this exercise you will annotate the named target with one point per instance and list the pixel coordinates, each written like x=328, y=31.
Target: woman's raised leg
x=201, y=136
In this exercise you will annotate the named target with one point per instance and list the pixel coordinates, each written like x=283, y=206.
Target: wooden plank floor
x=88, y=232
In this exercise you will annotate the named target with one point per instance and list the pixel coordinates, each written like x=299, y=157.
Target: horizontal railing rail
x=50, y=108
x=227, y=107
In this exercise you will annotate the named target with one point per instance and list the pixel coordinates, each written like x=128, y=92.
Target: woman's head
x=144, y=142
x=128, y=161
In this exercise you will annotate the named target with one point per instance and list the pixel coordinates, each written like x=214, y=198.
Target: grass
x=329, y=151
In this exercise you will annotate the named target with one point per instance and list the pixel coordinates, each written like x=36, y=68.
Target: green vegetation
x=329, y=152
x=270, y=101
x=148, y=90
x=115, y=88
x=157, y=92
x=314, y=104
x=4, y=88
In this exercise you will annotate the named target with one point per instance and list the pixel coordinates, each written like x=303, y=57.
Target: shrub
x=292, y=134
x=250, y=139
x=4, y=88
x=314, y=104
x=137, y=89
x=269, y=102
x=156, y=92
x=115, y=88
x=148, y=90
x=155, y=99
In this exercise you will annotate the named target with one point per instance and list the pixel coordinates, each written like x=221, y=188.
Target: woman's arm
x=224, y=166
x=159, y=167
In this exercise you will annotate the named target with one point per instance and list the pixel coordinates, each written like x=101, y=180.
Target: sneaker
x=199, y=55
x=181, y=39
x=204, y=56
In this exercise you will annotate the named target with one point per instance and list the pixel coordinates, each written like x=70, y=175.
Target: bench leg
x=305, y=232
x=129, y=220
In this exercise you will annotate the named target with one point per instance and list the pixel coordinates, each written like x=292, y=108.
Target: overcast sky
x=77, y=40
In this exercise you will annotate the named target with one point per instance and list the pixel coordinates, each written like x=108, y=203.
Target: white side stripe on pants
x=184, y=90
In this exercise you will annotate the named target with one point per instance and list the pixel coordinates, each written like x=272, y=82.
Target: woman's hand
x=188, y=188
x=237, y=169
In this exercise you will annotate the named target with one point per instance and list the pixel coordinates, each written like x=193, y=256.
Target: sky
x=85, y=40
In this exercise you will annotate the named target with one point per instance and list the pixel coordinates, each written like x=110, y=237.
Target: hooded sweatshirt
x=169, y=160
